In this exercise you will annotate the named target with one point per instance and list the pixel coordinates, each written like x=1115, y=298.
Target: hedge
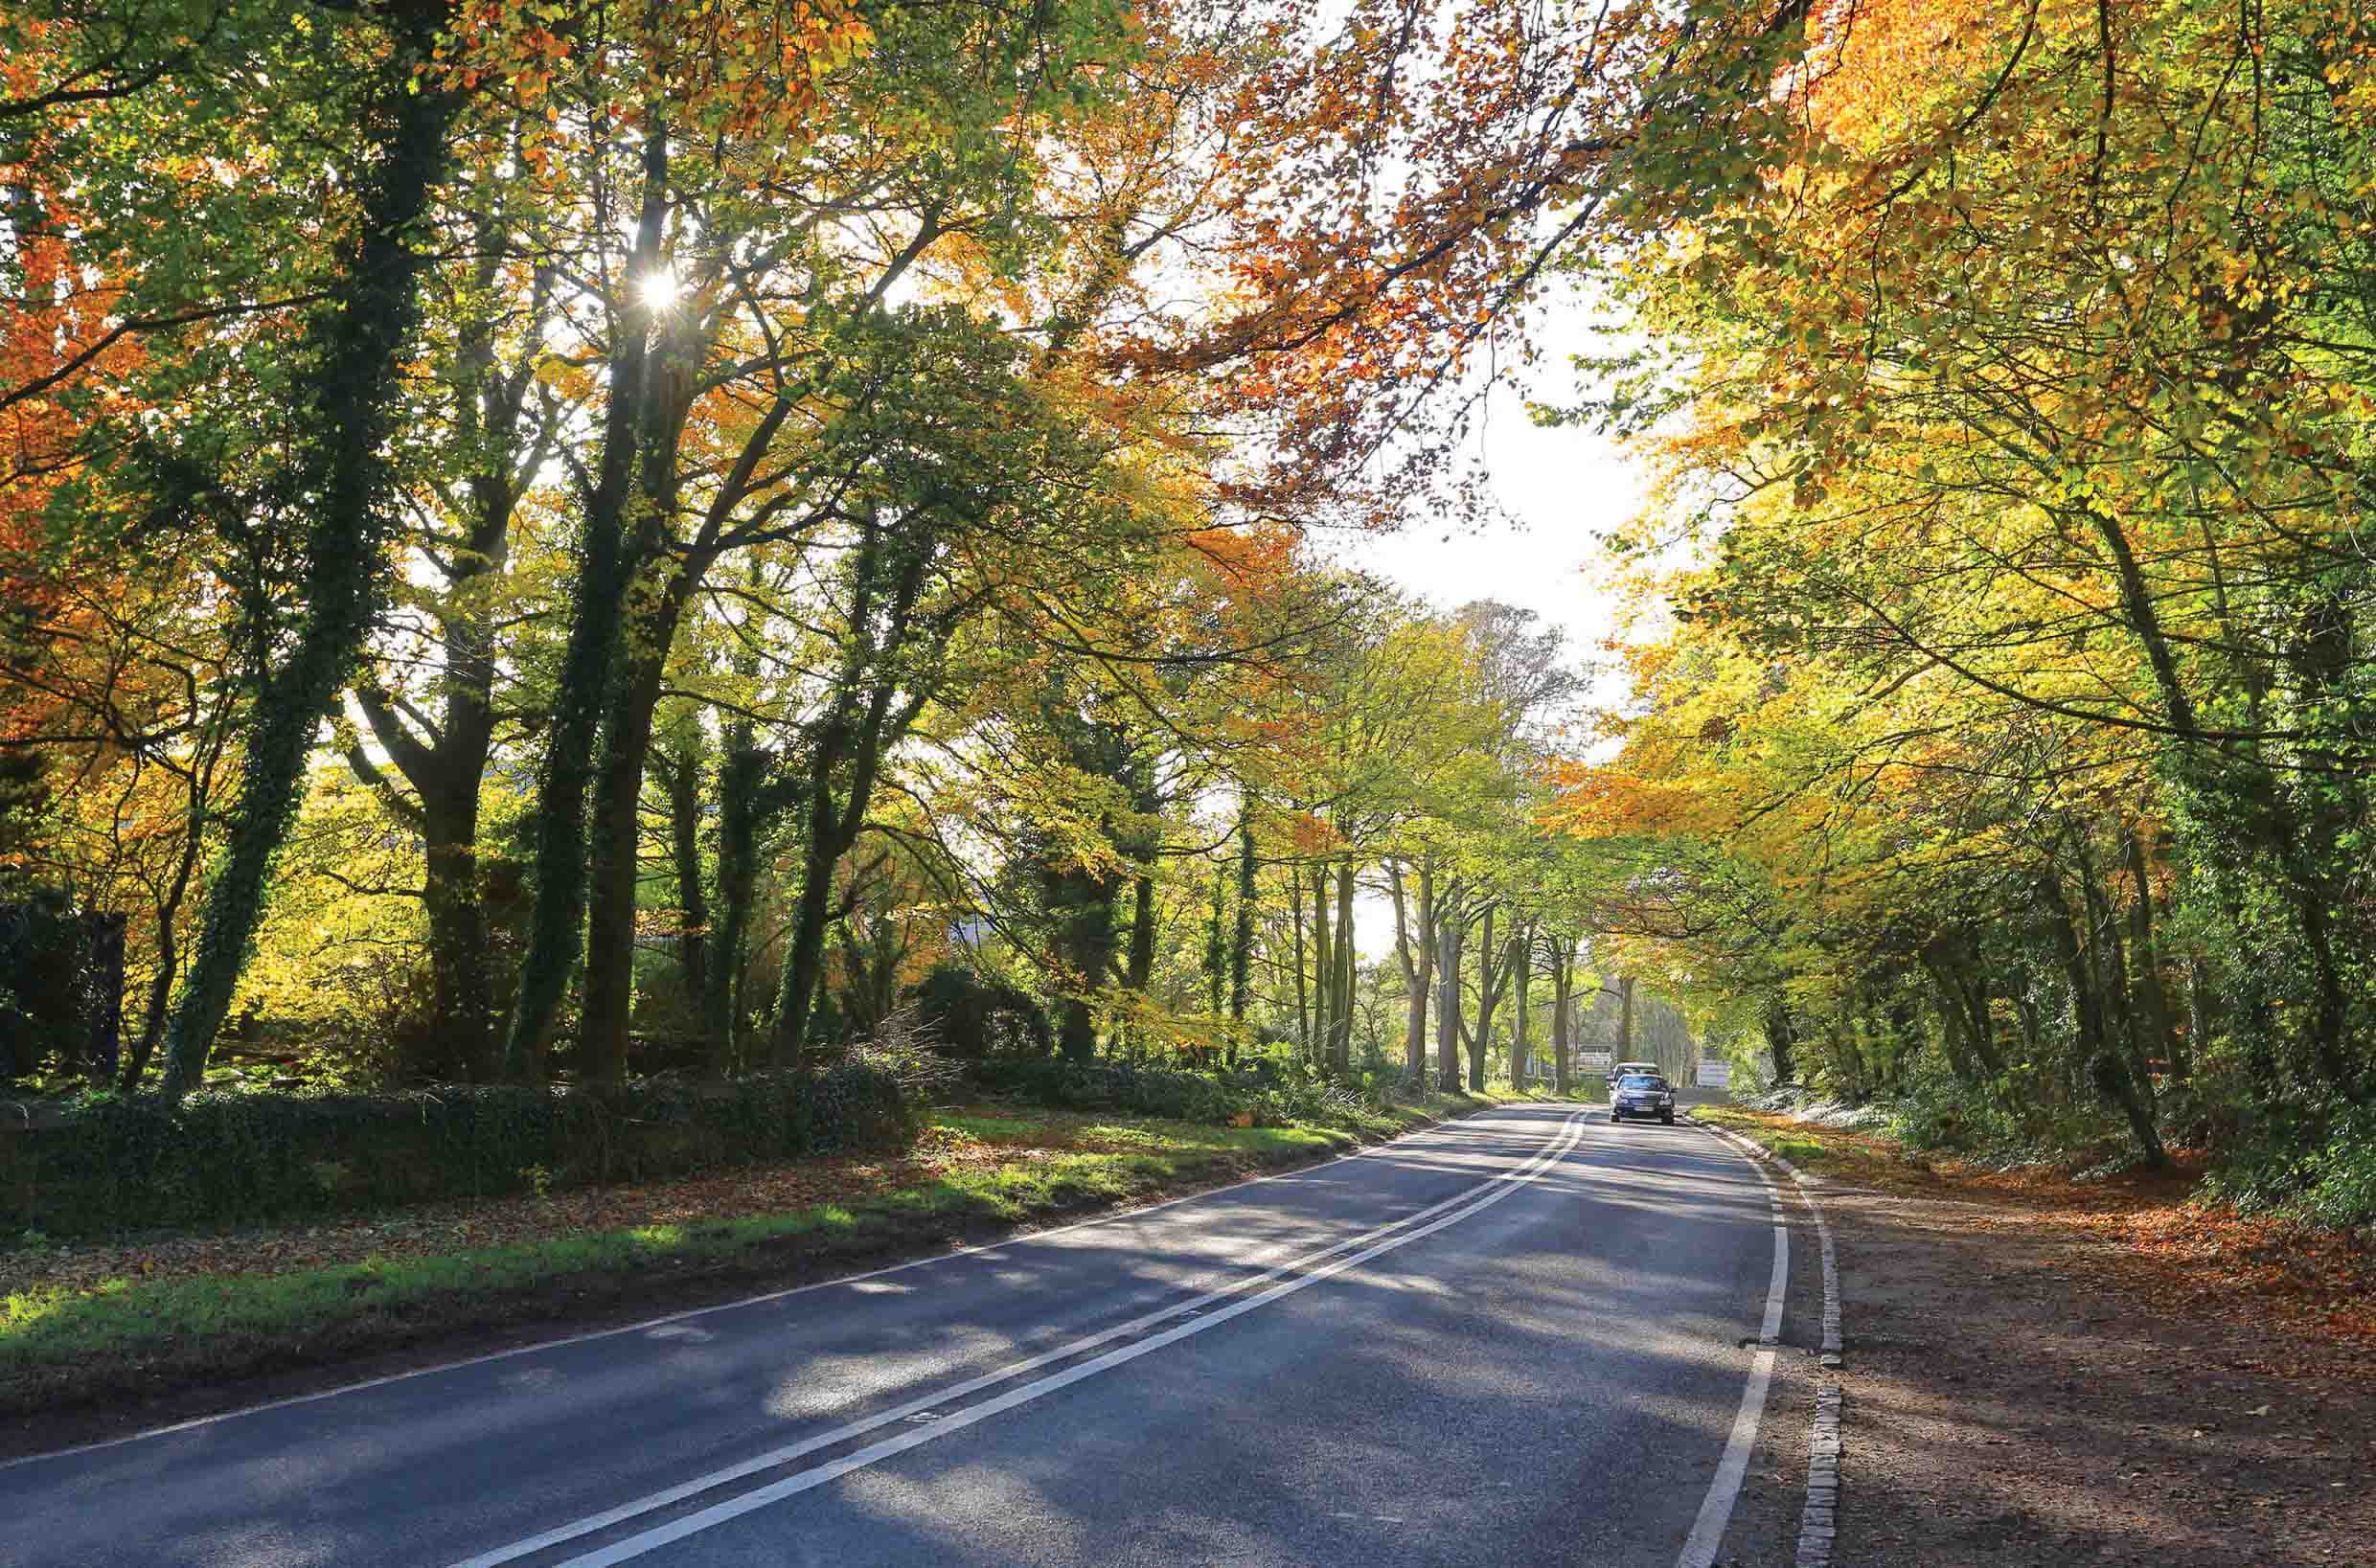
x=113, y=1163
x=1113, y=1085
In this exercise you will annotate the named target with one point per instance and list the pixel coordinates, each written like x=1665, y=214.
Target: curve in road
x=1516, y=1338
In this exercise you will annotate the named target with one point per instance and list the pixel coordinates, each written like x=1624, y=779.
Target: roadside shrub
x=1271, y=1092
x=971, y=1016
x=110, y=1163
x=1938, y=1111
x=1116, y=1085
x=2318, y=1168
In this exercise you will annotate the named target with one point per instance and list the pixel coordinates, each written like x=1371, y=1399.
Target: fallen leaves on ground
x=2184, y=1252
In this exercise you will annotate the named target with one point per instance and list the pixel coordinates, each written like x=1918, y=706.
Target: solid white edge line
x=1830, y=1262
x=1019, y=1238
x=1708, y=1528
x=790, y=1486
x=775, y=1457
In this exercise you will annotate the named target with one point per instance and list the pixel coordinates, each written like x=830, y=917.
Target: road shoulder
x=1764, y=1532
x=2016, y=1395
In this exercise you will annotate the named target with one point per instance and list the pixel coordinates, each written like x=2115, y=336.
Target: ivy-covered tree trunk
x=880, y=686
x=1780, y=1042
x=1242, y=948
x=605, y=565
x=614, y=838
x=1215, y=961
x=462, y=980
x=749, y=800
x=1140, y=967
x=680, y=758
x=751, y=796
x=1295, y=928
x=345, y=399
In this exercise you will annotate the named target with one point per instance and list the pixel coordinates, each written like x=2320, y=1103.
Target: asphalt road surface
x=1514, y=1339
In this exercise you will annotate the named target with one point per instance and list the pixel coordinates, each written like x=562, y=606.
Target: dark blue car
x=1642, y=1095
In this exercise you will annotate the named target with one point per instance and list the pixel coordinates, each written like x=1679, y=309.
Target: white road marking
x=1492, y=1190
x=927, y=1406
x=1707, y=1531
x=651, y=1325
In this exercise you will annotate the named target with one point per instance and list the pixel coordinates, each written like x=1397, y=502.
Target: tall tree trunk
x=2105, y=1064
x=605, y=566
x=461, y=973
x=1492, y=973
x=614, y=873
x=2199, y=1012
x=1242, y=948
x=1341, y=1039
x=1142, y=961
x=2153, y=992
x=1625, y=1019
x=1562, y=1022
x=1323, y=971
x=1521, y=989
x=750, y=798
x=1780, y=1041
x=348, y=397
x=1449, y=1010
x=1415, y=948
x=693, y=935
x=1215, y=961
x=804, y=955
x=1295, y=924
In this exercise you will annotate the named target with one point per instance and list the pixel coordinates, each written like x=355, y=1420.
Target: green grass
x=65, y=1347
x=1810, y=1148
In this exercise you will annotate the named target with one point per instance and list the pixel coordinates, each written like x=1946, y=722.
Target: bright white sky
x=1561, y=488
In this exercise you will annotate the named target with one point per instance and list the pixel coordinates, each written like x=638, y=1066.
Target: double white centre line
x=1224, y=1303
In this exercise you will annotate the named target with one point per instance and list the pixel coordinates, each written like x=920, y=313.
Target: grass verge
x=1860, y=1157
x=134, y=1335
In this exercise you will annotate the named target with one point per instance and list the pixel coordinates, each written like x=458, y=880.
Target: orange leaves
x=744, y=69
x=1612, y=802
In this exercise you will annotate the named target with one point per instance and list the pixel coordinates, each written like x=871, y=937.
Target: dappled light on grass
x=88, y=1317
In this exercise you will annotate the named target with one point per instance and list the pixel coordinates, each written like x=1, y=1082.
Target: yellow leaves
x=1612, y=802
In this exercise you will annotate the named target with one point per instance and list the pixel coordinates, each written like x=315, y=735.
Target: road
x=1513, y=1339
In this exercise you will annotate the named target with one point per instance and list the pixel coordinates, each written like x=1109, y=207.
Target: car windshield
x=1639, y=1081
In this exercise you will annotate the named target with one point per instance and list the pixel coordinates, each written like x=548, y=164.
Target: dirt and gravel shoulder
x=1767, y=1517
x=2037, y=1375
